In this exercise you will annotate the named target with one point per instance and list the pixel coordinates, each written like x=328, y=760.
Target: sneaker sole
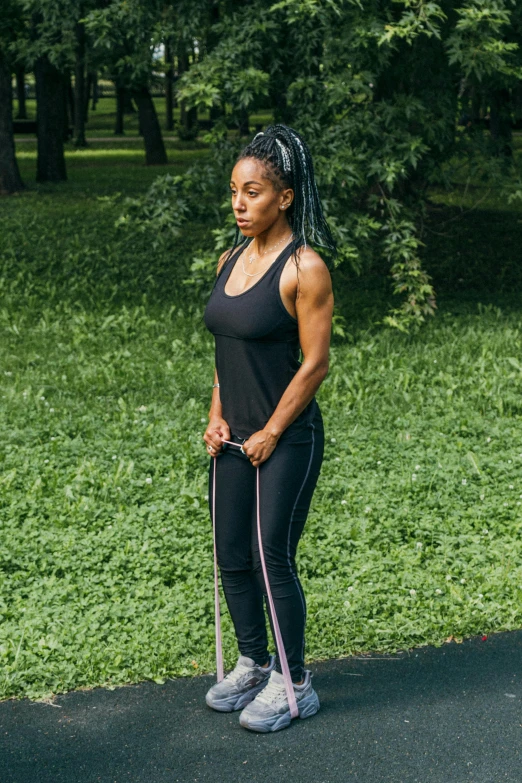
x=236, y=702
x=307, y=707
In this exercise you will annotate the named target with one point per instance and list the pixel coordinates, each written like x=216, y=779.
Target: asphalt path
x=450, y=714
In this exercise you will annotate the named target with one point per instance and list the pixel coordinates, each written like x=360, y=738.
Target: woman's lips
x=242, y=222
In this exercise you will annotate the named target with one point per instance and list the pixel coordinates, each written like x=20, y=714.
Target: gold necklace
x=252, y=258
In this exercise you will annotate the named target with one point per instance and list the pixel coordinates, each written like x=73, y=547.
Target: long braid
x=289, y=164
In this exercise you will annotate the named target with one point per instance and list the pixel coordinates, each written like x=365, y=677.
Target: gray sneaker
x=270, y=710
x=239, y=686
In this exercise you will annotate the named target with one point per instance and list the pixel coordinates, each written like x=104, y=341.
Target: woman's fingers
x=213, y=445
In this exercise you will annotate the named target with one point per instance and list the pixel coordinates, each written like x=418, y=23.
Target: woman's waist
x=242, y=428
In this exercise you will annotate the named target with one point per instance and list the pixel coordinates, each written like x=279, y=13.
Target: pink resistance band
x=294, y=712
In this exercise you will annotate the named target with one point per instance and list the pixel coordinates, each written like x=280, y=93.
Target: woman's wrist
x=273, y=431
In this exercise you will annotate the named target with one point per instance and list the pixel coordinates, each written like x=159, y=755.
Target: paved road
x=431, y=715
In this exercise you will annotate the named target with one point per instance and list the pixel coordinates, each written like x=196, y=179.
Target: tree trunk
x=169, y=83
x=50, y=102
x=128, y=106
x=476, y=100
x=10, y=180
x=20, y=93
x=95, y=94
x=79, y=87
x=118, y=129
x=244, y=123
x=68, y=105
x=86, y=95
x=188, y=117
x=517, y=105
x=215, y=114
x=500, y=121
x=212, y=39
x=91, y=89
x=154, y=148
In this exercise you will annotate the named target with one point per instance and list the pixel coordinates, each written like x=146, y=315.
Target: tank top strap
x=229, y=263
x=278, y=264
x=275, y=271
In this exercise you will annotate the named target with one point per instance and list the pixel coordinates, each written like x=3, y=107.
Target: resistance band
x=294, y=712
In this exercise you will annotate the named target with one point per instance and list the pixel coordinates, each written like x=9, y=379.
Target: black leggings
x=287, y=480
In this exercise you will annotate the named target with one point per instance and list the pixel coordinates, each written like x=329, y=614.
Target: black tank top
x=256, y=349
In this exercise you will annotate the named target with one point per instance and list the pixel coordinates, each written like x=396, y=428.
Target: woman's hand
x=216, y=432
x=259, y=446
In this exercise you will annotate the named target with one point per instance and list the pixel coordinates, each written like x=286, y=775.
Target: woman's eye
x=252, y=193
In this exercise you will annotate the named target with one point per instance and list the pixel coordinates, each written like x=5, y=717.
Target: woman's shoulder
x=309, y=257
x=224, y=257
x=311, y=264
x=314, y=279
x=221, y=261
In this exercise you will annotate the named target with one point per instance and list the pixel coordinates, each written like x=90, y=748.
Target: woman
x=272, y=295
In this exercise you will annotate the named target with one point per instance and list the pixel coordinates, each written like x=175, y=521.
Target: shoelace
x=272, y=693
x=239, y=671
x=294, y=712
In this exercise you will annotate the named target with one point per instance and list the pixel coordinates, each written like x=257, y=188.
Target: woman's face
x=255, y=201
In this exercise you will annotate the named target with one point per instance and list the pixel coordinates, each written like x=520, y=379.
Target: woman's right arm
x=215, y=405
x=218, y=428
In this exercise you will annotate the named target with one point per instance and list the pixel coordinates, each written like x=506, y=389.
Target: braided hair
x=289, y=164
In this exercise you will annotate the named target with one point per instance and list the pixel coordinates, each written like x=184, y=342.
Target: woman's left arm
x=314, y=306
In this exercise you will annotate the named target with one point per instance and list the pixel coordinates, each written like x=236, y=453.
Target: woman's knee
x=280, y=571
x=230, y=562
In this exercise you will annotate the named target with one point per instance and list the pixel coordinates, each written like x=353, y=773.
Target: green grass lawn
x=106, y=565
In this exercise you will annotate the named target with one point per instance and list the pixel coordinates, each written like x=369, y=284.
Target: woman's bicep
x=314, y=307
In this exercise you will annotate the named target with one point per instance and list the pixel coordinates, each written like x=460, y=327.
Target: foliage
x=48, y=29
x=168, y=204
x=478, y=42
x=375, y=90
x=125, y=34
x=231, y=72
x=106, y=547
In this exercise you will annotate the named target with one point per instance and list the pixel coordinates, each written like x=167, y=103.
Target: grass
x=106, y=547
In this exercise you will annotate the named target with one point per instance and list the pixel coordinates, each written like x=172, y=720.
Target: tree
x=50, y=101
x=376, y=90
x=20, y=92
x=125, y=36
x=10, y=25
x=485, y=43
x=169, y=86
x=46, y=46
x=80, y=100
x=10, y=180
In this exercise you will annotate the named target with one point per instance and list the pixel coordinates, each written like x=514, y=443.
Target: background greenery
x=106, y=564
x=391, y=97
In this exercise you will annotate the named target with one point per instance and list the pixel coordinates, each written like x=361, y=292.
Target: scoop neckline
x=235, y=296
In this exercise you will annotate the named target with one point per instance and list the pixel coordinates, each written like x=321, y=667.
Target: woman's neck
x=276, y=236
